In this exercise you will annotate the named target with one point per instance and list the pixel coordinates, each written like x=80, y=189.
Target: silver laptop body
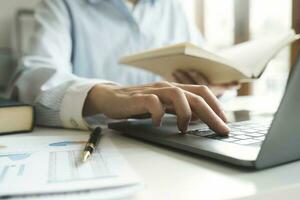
x=255, y=144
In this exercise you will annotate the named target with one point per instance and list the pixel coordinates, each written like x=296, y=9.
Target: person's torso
x=106, y=30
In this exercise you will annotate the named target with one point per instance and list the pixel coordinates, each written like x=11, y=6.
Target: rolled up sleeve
x=72, y=105
x=45, y=79
x=73, y=102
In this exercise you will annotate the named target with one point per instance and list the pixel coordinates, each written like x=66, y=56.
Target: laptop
x=254, y=144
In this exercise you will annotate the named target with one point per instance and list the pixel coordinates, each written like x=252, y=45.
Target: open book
x=242, y=62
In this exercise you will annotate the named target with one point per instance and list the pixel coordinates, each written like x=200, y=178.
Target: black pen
x=92, y=143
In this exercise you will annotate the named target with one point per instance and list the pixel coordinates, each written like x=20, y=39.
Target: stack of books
x=15, y=117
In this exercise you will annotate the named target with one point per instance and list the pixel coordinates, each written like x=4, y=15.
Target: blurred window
x=267, y=17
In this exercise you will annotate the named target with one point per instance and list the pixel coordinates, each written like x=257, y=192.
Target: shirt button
x=74, y=123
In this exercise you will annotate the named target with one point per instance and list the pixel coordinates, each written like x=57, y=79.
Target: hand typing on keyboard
x=244, y=133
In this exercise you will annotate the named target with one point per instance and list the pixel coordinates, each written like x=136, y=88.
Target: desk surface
x=170, y=174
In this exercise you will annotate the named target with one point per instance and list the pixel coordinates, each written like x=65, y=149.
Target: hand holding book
x=243, y=62
x=194, y=77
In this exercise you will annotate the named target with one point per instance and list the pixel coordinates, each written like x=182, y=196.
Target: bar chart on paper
x=13, y=169
x=53, y=161
x=66, y=166
x=53, y=165
x=62, y=166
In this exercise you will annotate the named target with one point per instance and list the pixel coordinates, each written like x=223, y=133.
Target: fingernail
x=223, y=116
x=224, y=130
x=158, y=123
x=184, y=129
x=227, y=129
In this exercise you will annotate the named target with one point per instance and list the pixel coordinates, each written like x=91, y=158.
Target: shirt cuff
x=73, y=102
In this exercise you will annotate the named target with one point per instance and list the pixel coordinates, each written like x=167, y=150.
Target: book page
x=185, y=56
x=253, y=56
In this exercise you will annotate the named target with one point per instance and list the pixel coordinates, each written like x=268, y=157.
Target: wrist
x=96, y=98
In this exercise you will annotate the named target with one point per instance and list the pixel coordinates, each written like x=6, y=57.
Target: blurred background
x=242, y=20
x=223, y=23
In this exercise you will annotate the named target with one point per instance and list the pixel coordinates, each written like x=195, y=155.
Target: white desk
x=169, y=174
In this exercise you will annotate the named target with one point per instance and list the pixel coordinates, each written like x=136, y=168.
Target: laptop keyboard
x=243, y=133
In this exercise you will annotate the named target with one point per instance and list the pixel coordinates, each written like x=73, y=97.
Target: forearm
x=58, y=98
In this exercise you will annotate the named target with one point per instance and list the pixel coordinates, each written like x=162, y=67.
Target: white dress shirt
x=95, y=35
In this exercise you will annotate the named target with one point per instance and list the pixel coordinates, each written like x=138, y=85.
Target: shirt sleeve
x=46, y=80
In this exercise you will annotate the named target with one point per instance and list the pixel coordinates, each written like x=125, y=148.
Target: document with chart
x=45, y=165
